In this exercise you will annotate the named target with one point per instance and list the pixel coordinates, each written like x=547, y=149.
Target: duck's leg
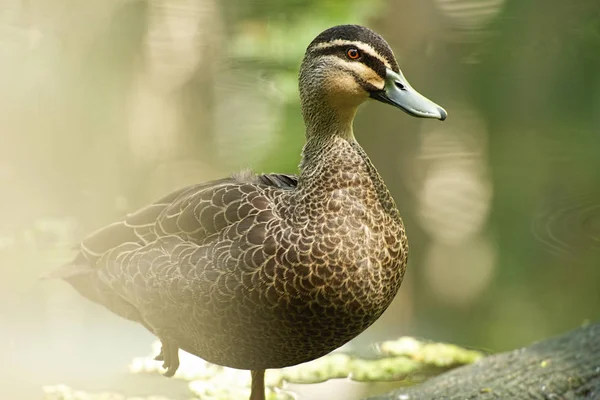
x=160, y=356
x=170, y=355
x=258, y=385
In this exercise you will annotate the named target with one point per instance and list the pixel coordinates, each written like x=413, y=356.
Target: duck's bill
x=398, y=92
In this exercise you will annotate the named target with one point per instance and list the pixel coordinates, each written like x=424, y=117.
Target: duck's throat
x=328, y=137
x=326, y=115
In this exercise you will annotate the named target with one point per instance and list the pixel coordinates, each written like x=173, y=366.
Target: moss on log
x=564, y=367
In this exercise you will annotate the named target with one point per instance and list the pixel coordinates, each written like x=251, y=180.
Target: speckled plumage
x=253, y=275
x=265, y=271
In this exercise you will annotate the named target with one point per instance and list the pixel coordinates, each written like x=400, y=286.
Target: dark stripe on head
x=361, y=34
x=367, y=59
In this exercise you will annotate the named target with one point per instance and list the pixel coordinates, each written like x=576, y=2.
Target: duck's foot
x=258, y=385
x=170, y=355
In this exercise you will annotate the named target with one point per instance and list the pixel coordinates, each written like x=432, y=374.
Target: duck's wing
x=140, y=227
x=192, y=212
x=134, y=230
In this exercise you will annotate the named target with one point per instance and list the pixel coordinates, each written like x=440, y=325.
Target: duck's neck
x=328, y=121
x=328, y=131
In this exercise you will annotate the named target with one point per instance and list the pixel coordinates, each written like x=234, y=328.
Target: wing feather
x=132, y=260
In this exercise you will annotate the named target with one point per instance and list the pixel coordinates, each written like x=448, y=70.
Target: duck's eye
x=353, y=53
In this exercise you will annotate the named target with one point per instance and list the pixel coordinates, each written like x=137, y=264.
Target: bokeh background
x=106, y=105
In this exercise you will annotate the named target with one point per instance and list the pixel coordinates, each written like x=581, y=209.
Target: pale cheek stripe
x=363, y=71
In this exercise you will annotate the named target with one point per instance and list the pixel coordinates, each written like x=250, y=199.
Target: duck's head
x=348, y=64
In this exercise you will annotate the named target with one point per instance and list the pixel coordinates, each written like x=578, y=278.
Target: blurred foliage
x=272, y=36
x=105, y=106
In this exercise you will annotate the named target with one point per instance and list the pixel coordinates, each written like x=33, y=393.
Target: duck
x=262, y=271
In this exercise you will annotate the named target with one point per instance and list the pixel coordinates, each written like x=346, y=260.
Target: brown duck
x=267, y=271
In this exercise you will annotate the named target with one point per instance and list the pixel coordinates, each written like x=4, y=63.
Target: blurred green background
x=107, y=105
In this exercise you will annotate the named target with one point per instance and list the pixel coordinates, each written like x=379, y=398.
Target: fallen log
x=564, y=367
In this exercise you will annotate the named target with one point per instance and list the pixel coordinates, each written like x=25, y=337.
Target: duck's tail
x=83, y=277
x=80, y=275
x=78, y=267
